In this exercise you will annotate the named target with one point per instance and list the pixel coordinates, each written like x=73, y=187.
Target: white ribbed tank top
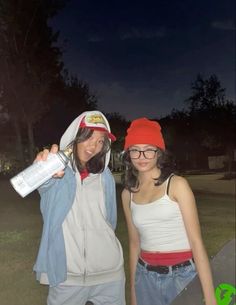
x=160, y=224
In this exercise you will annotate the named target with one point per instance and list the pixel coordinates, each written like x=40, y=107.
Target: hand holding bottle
x=47, y=164
x=43, y=155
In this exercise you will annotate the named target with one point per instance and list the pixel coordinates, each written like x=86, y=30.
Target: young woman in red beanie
x=165, y=243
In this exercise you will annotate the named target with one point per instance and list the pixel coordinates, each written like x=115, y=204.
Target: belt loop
x=145, y=266
x=143, y=263
x=192, y=264
x=170, y=270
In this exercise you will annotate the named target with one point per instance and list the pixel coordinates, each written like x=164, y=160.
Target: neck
x=147, y=177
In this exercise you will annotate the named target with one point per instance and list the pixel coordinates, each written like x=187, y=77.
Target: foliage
x=206, y=94
x=205, y=128
x=69, y=98
x=35, y=88
x=78, y=96
x=119, y=126
x=29, y=62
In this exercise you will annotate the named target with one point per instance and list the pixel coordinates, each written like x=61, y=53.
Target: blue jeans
x=161, y=289
x=112, y=293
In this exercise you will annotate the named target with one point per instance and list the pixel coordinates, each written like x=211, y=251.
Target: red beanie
x=144, y=131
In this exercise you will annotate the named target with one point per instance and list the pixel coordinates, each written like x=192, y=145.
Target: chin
x=143, y=168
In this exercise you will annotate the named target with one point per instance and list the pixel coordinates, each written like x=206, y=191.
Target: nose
x=142, y=155
x=92, y=143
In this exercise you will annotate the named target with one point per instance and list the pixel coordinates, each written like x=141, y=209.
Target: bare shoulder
x=125, y=194
x=179, y=181
x=179, y=186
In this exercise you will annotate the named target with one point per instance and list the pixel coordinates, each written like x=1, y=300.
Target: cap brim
x=110, y=135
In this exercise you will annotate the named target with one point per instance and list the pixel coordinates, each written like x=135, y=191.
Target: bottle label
x=36, y=174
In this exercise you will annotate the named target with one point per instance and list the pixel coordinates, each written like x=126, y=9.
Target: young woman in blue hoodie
x=80, y=257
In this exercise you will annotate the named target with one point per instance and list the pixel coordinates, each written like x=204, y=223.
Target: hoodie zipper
x=84, y=236
x=85, y=271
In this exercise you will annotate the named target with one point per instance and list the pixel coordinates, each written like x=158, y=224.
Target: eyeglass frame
x=143, y=152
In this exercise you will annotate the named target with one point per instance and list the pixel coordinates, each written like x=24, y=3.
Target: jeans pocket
x=183, y=277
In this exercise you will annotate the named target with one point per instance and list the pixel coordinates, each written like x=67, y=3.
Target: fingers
x=59, y=174
x=54, y=149
x=42, y=155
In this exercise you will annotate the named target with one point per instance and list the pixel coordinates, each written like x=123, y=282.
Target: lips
x=88, y=153
x=142, y=164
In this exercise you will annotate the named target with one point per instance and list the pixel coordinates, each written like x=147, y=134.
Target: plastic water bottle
x=40, y=171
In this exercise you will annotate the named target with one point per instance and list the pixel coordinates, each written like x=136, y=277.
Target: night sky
x=140, y=57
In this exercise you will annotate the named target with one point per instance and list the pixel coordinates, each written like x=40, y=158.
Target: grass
x=20, y=230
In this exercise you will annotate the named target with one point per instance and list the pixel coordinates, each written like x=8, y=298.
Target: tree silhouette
x=68, y=100
x=118, y=125
x=212, y=117
x=30, y=63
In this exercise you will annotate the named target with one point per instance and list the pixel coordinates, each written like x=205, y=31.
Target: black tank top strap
x=168, y=183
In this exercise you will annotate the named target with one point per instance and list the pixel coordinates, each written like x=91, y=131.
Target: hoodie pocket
x=103, y=251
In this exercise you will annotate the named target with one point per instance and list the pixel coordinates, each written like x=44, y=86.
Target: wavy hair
x=165, y=163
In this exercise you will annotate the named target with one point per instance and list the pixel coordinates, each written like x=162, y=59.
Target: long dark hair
x=97, y=163
x=165, y=162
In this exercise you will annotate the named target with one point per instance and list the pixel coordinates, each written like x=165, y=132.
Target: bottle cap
x=68, y=151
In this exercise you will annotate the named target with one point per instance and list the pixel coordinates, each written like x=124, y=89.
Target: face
x=143, y=157
x=90, y=147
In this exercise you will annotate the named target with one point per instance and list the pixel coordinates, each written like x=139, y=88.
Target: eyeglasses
x=148, y=153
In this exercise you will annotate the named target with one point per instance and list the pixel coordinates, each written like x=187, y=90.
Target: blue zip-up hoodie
x=57, y=197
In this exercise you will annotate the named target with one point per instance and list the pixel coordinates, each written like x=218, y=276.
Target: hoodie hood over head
x=94, y=120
